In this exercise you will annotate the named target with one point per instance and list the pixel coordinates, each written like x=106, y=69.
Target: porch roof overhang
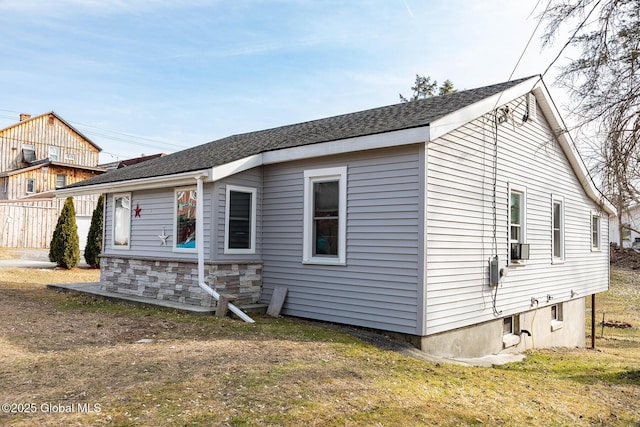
x=185, y=178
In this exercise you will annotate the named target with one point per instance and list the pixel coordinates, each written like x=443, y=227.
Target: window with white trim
x=557, y=220
x=517, y=221
x=185, y=220
x=240, y=222
x=556, y=316
x=121, y=220
x=61, y=180
x=510, y=331
x=54, y=153
x=595, y=232
x=31, y=185
x=325, y=211
x=508, y=325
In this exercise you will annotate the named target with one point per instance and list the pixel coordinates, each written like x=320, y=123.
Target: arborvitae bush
x=65, y=244
x=94, y=240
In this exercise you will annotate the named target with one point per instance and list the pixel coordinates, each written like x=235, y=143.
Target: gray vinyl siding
x=157, y=211
x=460, y=231
x=378, y=287
x=250, y=179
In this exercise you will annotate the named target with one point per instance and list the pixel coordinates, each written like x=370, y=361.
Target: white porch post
x=200, y=228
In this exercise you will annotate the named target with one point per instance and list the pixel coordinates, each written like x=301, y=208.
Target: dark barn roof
x=369, y=122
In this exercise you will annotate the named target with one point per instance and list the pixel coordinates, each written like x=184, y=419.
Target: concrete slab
x=93, y=288
x=277, y=301
x=493, y=360
x=30, y=258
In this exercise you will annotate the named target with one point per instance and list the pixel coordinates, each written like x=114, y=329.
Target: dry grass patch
x=199, y=370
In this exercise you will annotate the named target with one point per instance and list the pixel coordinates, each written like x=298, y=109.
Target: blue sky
x=147, y=76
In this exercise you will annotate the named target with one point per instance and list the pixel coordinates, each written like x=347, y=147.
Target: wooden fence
x=30, y=223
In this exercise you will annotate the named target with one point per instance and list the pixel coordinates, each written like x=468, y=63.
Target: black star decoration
x=137, y=210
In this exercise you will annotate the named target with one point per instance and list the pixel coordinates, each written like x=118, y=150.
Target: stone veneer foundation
x=177, y=279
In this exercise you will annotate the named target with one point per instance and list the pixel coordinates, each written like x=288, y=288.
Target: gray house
x=465, y=222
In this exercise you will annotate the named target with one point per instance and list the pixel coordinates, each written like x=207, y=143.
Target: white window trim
x=175, y=248
x=252, y=243
x=54, y=149
x=559, y=322
x=511, y=339
x=597, y=215
x=65, y=180
x=523, y=226
x=322, y=175
x=561, y=259
x=113, y=222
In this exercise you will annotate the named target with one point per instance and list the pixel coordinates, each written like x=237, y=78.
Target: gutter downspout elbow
x=200, y=247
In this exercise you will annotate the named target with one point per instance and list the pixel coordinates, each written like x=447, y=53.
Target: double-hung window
x=557, y=224
x=240, y=224
x=31, y=185
x=517, y=222
x=61, y=180
x=121, y=220
x=325, y=211
x=54, y=153
x=595, y=232
x=185, y=220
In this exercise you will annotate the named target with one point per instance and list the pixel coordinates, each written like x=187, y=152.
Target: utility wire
x=578, y=28
x=133, y=141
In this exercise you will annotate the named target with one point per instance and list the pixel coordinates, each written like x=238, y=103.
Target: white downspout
x=200, y=245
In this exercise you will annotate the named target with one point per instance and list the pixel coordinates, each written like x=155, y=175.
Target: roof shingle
x=369, y=122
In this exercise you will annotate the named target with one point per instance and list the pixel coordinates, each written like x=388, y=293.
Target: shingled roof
x=369, y=122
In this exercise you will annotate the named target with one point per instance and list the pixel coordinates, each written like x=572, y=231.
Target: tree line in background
x=604, y=85
x=425, y=88
x=64, y=249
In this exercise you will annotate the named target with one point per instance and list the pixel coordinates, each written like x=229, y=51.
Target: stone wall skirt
x=177, y=280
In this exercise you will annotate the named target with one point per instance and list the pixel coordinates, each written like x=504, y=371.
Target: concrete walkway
x=30, y=258
x=93, y=288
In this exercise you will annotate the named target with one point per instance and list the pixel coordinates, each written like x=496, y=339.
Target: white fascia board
x=348, y=145
x=471, y=112
x=176, y=180
x=550, y=112
x=340, y=146
x=232, y=168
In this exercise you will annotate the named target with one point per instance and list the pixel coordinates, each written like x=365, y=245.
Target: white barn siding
x=157, y=211
x=378, y=287
x=460, y=223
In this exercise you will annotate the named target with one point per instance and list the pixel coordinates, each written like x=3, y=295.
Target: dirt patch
x=616, y=324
